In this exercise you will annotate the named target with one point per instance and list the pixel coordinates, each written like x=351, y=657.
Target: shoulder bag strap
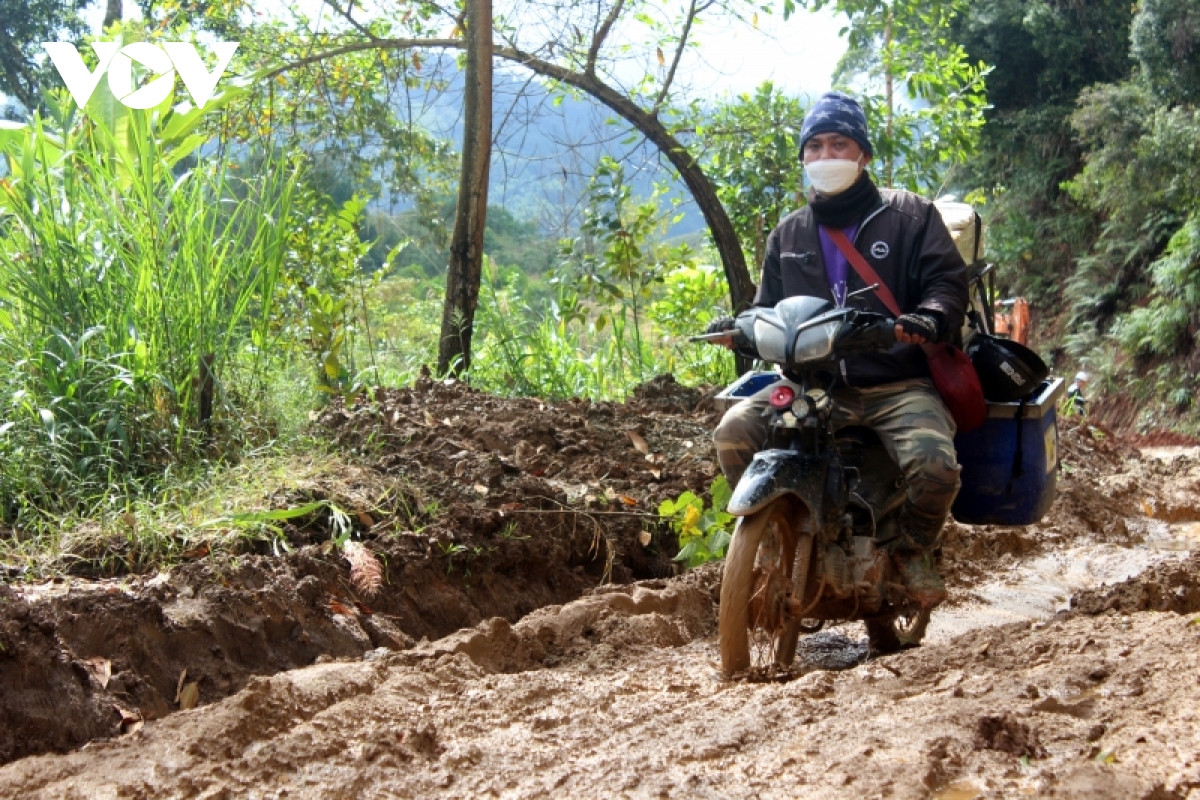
x=864, y=269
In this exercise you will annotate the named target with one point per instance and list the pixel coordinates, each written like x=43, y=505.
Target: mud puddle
x=1171, y=453
x=1041, y=586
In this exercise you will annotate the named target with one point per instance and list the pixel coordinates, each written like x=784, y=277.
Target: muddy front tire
x=757, y=578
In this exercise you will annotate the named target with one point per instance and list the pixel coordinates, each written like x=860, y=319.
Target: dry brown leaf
x=638, y=442
x=644, y=538
x=365, y=519
x=189, y=696
x=130, y=521
x=340, y=608
x=430, y=419
x=131, y=721
x=460, y=468
x=627, y=500
x=179, y=684
x=100, y=669
x=196, y=552
x=511, y=506
x=366, y=573
x=661, y=59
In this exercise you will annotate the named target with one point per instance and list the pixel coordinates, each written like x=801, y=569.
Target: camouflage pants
x=911, y=422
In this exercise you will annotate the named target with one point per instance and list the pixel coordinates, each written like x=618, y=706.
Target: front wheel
x=755, y=588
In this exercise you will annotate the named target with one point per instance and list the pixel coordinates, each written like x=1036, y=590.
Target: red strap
x=864, y=269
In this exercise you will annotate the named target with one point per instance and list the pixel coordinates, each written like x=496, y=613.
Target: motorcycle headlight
x=770, y=340
x=815, y=344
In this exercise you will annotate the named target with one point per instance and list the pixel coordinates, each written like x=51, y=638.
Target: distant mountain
x=546, y=148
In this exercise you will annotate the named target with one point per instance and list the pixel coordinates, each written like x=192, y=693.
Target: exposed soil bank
x=483, y=511
x=477, y=507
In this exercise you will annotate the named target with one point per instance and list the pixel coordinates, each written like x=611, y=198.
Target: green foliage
x=551, y=353
x=1141, y=177
x=752, y=154
x=1166, y=325
x=614, y=263
x=1044, y=54
x=704, y=533
x=118, y=279
x=691, y=292
x=24, y=25
x=325, y=288
x=507, y=240
x=900, y=47
x=1166, y=44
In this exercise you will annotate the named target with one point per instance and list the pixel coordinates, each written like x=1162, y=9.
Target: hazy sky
x=798, y=55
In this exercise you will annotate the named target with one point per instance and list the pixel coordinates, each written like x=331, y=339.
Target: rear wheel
x=755, y=588
x=894, y=633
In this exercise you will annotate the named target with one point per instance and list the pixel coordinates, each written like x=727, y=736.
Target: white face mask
x=832, y=175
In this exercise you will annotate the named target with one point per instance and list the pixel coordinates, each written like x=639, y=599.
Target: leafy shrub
x=704, y=533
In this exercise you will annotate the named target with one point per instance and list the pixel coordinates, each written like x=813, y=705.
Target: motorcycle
x=817, y=507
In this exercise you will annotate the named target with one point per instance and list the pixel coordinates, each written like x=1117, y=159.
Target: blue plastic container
x=1004, y=486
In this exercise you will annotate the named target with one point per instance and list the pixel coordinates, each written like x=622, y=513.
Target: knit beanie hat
x=836, y=112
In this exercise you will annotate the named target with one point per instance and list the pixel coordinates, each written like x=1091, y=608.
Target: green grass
x=129, y=295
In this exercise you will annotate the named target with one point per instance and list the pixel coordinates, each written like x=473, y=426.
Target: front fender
x=778, y=472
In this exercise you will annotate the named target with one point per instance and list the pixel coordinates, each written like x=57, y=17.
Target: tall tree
x=466, y=243
x=24, y=25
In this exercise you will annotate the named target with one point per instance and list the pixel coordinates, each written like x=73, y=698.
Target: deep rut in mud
x=616, y=695
x=477, y=507
x=481, y=525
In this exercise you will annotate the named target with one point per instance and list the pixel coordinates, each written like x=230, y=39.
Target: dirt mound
x=1166, y=587
x=475, y=507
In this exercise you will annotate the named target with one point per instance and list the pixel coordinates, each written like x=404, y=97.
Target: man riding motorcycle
x=904, y=239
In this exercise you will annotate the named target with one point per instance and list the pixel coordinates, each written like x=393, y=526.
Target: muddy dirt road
x=1067, y=664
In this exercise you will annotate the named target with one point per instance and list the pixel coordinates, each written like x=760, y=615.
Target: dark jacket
x=905, y=241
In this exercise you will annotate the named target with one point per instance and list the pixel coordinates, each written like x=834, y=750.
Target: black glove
x=720, y=325
x=927, y=324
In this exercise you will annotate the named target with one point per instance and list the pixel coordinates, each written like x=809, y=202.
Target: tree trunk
x=733, y=260
x=741, y=287
x=466, y=243
x=112, y=13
